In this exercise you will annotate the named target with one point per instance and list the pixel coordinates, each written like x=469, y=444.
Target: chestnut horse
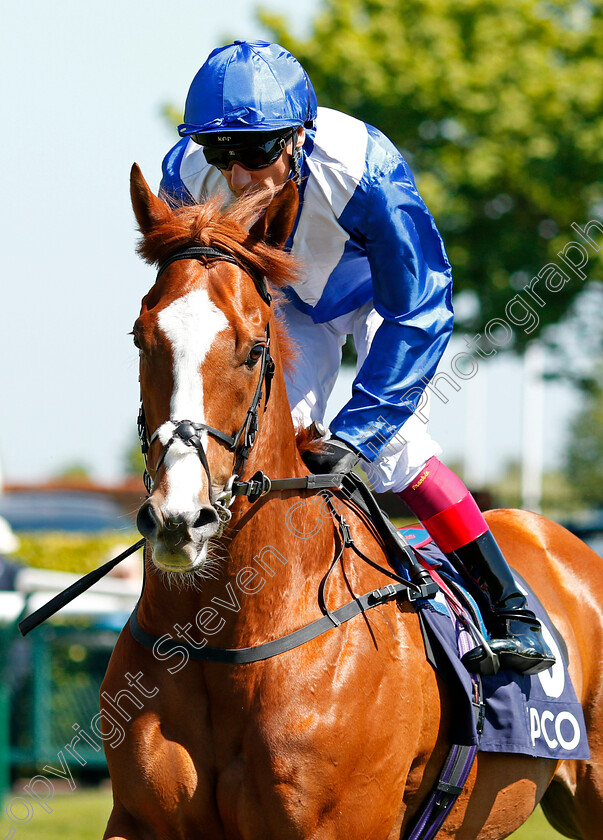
x=340, y=737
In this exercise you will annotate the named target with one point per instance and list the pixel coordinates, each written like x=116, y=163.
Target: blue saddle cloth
x=535, y=715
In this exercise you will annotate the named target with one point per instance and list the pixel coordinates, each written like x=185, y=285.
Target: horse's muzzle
x=176, y=534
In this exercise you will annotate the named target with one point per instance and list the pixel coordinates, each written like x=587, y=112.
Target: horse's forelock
x=210, y=223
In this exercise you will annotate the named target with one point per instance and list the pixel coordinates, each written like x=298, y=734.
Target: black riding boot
x=516, y=633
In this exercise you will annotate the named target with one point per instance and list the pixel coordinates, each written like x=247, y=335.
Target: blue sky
x=83, y=86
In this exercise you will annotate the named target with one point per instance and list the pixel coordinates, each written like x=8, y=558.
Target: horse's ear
x=275, y=225
x=148, y=209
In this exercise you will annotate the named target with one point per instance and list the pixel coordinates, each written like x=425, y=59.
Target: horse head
x=206, y=335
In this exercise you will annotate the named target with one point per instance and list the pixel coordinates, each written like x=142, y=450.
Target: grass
x=536, y=828
x=83, y=816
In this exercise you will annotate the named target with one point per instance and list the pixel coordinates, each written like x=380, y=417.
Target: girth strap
x=448, y=788
x=242, y=656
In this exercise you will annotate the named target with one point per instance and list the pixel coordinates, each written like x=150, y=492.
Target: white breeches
x=312, y=380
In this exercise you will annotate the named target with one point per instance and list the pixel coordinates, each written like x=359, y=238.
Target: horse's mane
x=308, y=440
x=210, y=223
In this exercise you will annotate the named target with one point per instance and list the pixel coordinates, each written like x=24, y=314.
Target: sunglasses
x=251, y=157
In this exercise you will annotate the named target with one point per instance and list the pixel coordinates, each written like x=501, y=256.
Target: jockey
x=374, y=266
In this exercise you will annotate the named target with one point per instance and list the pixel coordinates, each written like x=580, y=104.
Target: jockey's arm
x=412, y=288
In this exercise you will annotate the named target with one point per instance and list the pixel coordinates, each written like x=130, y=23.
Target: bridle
x=417, y=585
x=190, y=432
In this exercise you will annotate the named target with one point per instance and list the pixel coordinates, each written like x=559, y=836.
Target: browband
x=202, y=252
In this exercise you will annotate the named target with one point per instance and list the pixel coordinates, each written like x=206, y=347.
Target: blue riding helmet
x=249, y=86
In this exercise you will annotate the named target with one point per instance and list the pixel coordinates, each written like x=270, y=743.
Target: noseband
x=189, y=432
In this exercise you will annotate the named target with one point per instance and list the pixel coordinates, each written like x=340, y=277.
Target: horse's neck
x=275, y=450
x=275, y=453
x=266, y=556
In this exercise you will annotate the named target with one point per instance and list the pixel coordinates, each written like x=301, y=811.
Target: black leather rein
x=189, y=432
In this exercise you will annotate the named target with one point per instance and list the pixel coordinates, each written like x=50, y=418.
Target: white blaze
x=191, y=325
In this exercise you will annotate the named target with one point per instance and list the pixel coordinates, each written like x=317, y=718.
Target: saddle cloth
x=535, y=715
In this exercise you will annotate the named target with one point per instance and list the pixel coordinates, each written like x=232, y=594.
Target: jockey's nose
x=154, y=523
x=240, y=177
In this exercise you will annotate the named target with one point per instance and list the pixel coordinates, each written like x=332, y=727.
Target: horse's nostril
x=154, y=523
x=206, y=516
x=146, y=520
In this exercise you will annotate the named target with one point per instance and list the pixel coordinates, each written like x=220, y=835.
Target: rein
x=189, y=432
x=419, y=586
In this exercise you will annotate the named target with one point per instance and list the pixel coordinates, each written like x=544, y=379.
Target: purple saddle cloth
x=535, y=715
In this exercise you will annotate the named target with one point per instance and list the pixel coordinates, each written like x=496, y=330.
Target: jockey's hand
x=334, y=456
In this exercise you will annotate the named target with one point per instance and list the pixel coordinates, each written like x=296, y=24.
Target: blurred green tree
x=76, y=472
x=498, y=108
x=559, y=495
x=584, y=468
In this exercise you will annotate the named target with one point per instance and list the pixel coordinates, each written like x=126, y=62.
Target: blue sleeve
x=172, y=188
x=412, y=291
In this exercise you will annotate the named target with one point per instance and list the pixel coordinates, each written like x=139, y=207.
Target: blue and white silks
x=363, y=235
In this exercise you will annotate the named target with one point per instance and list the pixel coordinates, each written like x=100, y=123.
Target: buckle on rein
x=258, y=485
x=383, y=594
x=223, y=502
x=425, y=589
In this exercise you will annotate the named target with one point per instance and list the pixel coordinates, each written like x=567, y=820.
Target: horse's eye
x=254, y=355
x=135, y=340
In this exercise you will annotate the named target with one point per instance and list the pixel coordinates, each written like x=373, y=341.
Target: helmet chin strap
x=295, y=157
